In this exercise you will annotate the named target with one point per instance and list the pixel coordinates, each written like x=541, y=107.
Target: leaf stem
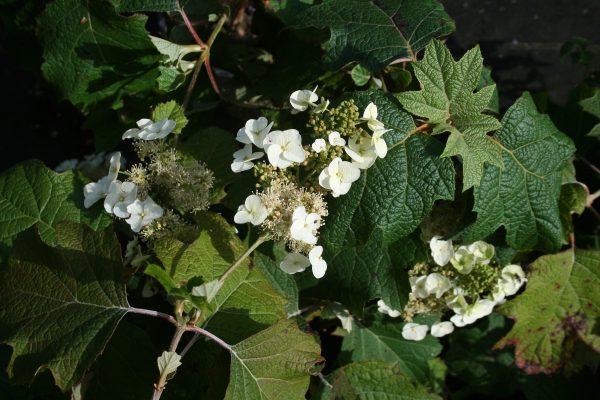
x=204, y=58
x=261, y=239
x=190, y=27
x=191, y=328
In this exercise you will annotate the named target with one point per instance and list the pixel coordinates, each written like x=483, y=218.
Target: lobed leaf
x=246, y=303
x=91, y=53
x=447, y=101
x=32, y=194
x=273, y=364
x=61, y=304
x=376, y=33
x=523, y=197
x=387, y=203
x=560, y=303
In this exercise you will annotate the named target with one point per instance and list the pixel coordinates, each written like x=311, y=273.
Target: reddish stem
x=190, y=27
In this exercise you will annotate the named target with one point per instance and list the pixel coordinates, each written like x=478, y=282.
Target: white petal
x=441, y=250
x=416, y=332
x=242, y=136
x=442, y=329
x=294, y=262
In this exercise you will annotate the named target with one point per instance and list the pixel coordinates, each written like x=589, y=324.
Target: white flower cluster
x=120, y=198
x=452, y=294
x=284, y=149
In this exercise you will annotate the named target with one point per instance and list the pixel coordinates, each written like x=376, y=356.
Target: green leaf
x=376, y=380
x=91, y=53
x=377, y=33
x=168, y=362
x=573, y=200
x=360, y=75
x=447, y=100
x=480, y=368
x=524, y=195
x=387, y=203
x=273, y=364
x=285, y=284
x=169, y=79
x=32, y=194
x=147, y=5
x=60, y=305
x=246, y=303
x=561, y=301
x=592, y=104
x=381, y=339
x=171, y=110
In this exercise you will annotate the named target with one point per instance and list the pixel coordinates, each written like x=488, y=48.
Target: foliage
x=377, y=188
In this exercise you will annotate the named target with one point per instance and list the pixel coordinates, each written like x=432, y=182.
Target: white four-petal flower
x=417, y=286
x=148, y=130
x=94, y=191
x=257, y=130
x=319, y=266
x=463, y=260
x=253, y=210
x=416, y=332
x=242, y=159
x=302, y=99
x=437, y=284
x=294, y=262
x=319, y=145
x=441, y=250
x=482, y=251
x=304, y=225
x=284, y=148
x=481, y=308
x=120, y=196
x=335, y=139
x=143, y=213
x=370, y=115
x=338, y=176
x=361, y=151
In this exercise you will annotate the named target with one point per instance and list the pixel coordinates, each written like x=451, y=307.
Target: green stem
x=261, y=239
x=159, y=387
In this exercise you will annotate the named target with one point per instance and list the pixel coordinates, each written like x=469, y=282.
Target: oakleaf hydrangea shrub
x=338, y=219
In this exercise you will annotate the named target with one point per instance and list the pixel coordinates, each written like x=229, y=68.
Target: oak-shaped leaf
x=523, y=196
x=246, y=303
x=91, y=53
x=60, y=304
x=385, y=204
x=448, y=101
x=275, y=363
x=32, y=194
x=560, y=303
x=375, y=33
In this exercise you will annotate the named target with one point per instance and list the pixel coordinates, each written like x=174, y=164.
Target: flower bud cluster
x=293, y=179
x=176, y=181
x=463, y=280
